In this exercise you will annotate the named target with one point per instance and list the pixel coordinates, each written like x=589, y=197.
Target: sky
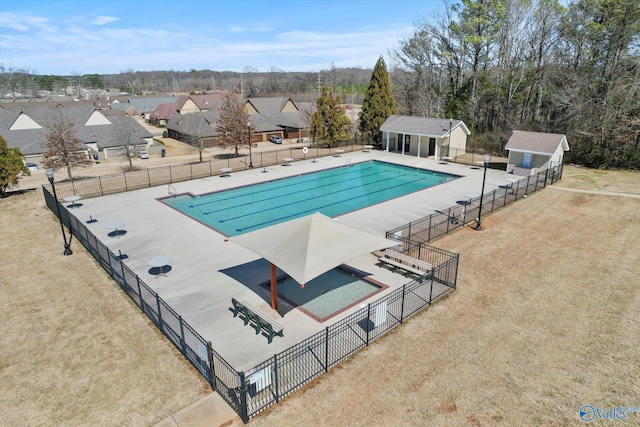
x=71, y=37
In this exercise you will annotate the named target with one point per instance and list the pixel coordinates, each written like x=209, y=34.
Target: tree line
x=537, y=65
x=499, y=65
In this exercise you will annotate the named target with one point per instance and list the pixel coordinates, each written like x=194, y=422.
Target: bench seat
x=405, y=262
x=259, y=321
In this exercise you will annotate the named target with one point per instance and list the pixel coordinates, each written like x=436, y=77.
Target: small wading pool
x=330, y=293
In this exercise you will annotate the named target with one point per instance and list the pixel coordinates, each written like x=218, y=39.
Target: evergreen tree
x=329, y=123
x=11, y=166
x=232, y=124
x=64, y=148
x=378, y=103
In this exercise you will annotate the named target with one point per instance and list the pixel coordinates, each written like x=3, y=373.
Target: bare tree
x=232, y=124
x=64, y=148
x=9, y=77
x=199, y=128
x=126, y=133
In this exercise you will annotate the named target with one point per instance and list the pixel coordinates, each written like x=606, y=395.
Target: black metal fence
x=285, y=372
x=135, y=180
x=220, y=375
x=249, y=393
x=445, y=221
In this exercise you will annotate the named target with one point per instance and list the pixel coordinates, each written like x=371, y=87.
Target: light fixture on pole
x=487, y=158
x=250, y=156
x=449, y=142
x=67, y=246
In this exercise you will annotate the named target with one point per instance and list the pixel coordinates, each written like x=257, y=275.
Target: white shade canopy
x=307, y=247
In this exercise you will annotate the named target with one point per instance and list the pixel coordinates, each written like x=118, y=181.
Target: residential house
x=275, y=116
x=26, y=129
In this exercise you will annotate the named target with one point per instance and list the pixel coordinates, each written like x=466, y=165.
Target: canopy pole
x=274, y=287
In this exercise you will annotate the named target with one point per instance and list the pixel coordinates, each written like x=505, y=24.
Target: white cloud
x=104, y=20
x=22, y=22
x=252, y=29
x=39, y=44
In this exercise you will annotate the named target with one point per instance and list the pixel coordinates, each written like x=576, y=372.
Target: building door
x=526, y=161
x=407, y=143
x=432, y=147
x=400, y=140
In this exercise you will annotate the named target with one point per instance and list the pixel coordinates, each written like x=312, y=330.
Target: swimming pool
x=328, y=294
x=332, y=192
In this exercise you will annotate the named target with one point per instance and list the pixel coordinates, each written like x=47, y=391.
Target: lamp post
x=449, y=142
x=67, y=246
x=250, y=156
x=487, y=158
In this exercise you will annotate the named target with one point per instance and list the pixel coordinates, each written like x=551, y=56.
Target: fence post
x=161, y=325
x=493, y=200
x=546, y=176
x=526, y=189
x=170, y=176
x=183, y=343
x=126, y=187
x=431, y=289
x=100, y=182
x=210, y=168
x=449, y=219
x=124, y=280
x=409, y=237
x=455, y=281
x=191, y=170
x=429, y=236
x=244, y=411
x=212, y=374
x=368, y=321
x=404, y=288
x=148, y=177
x=326, y=349
x=275, y=370
x=140, y=295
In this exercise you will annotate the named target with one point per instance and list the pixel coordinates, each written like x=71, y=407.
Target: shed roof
x=536, y=142
x=424, y=126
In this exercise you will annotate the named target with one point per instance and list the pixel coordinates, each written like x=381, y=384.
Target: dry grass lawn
x=74, y=350
x=546, y=318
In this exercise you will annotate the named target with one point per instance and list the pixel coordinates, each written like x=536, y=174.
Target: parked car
x=143, y=154
x=275, y=139
x=32, y=167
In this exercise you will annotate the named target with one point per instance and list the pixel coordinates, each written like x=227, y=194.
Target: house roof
x=164, y=111
x=203, y=102
x=269, y=105
x=536, y=142
x=423, y=126
x=262, y=124
x=144, y=104
x=33, y=141
x=194, y=124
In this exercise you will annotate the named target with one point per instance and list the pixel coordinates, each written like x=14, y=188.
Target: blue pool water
x=332, y=192
x=328, y=293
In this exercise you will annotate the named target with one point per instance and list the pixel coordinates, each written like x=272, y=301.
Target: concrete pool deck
x=207, y=271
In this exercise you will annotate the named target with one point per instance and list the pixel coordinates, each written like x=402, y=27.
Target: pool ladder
x=172, y=191
x=347, y=162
